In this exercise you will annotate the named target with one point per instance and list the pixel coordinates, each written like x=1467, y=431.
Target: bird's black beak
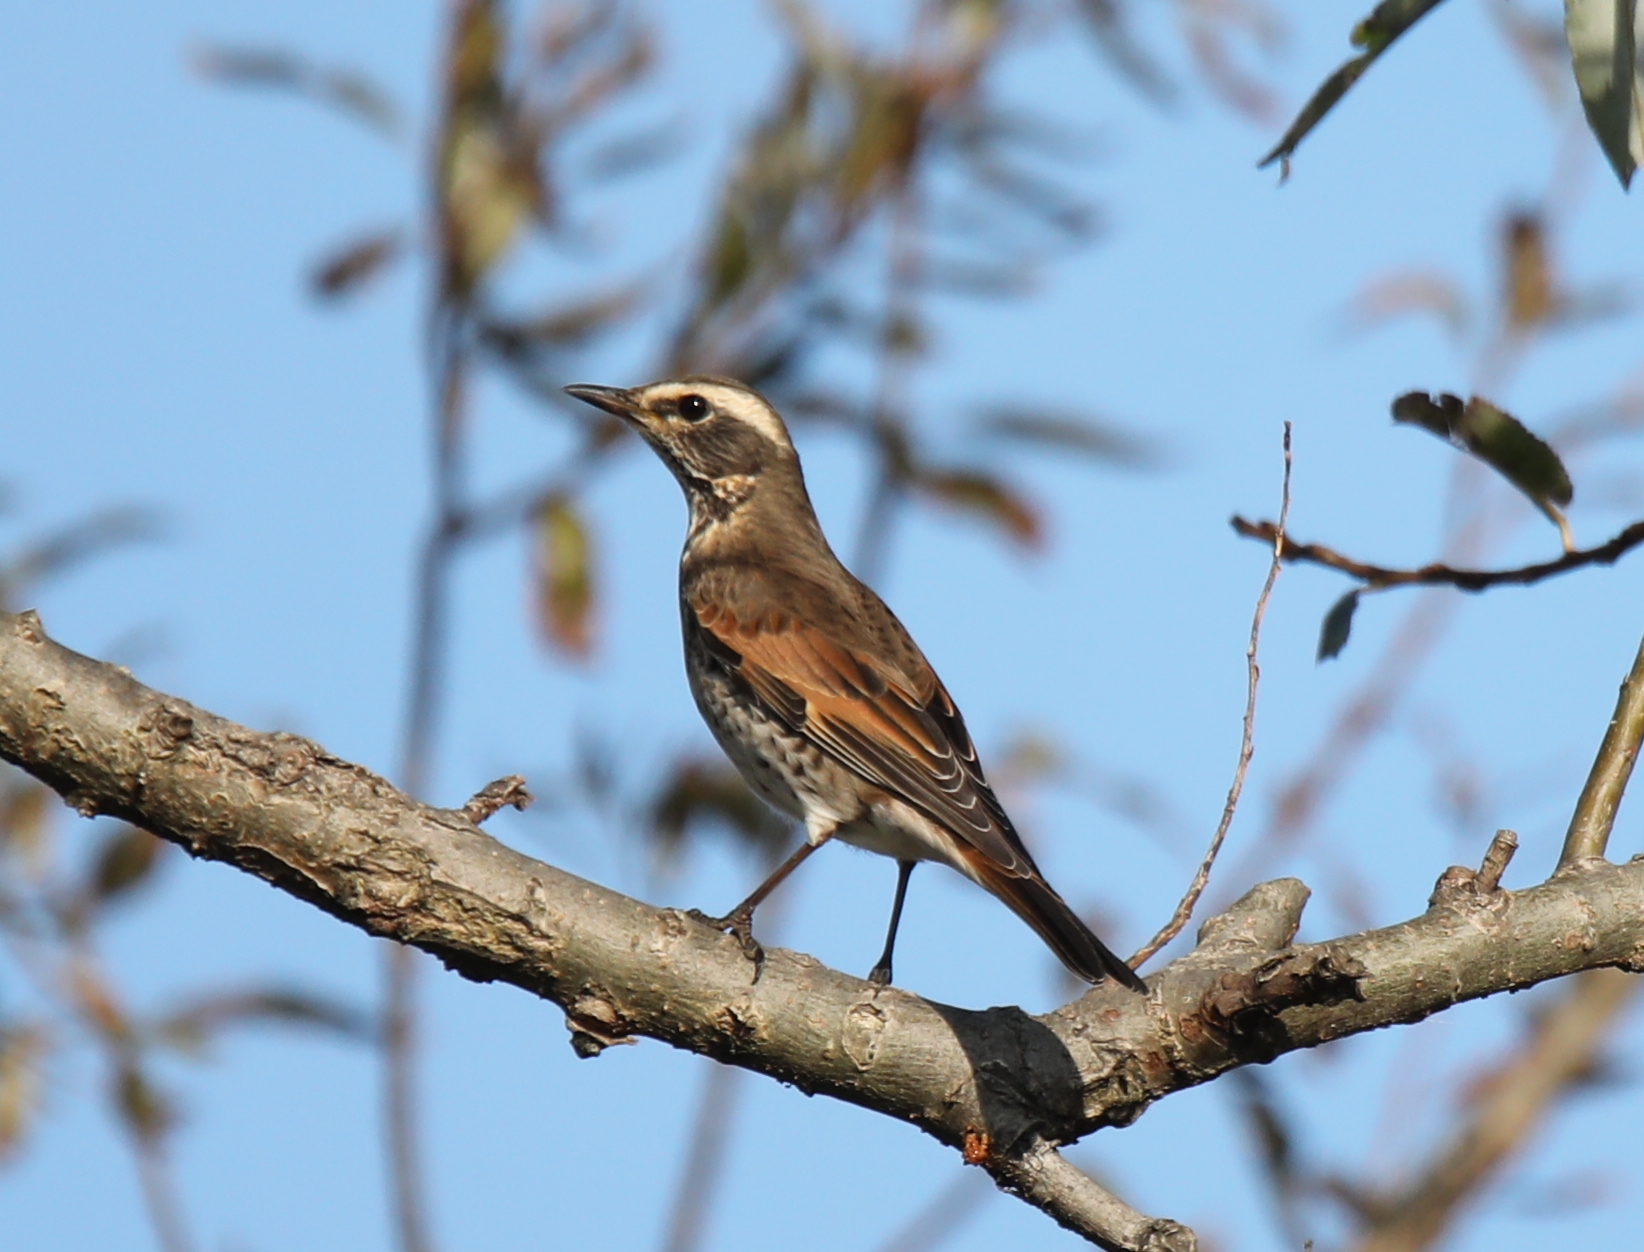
x=617, y=400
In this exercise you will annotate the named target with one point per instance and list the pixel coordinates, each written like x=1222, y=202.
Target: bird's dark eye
x=693, y=408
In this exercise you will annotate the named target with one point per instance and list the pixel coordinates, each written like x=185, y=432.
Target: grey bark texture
x=1003, y=1086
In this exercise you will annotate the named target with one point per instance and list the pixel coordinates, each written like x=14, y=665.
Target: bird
x=810, y=684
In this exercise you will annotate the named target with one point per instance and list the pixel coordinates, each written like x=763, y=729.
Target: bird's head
x=721, y=439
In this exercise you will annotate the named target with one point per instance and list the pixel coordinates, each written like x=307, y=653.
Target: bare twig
x=1496, y=858
x=1595, y=811
x=504, y=793
x=1438, y=574
x=1247, y=740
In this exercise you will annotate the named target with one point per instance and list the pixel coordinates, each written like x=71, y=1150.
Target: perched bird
x=810, y=684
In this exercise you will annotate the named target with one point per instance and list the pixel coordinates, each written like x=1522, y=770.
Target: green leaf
x=1604, y=55
x=1337, y=626
x=1498, y=439
x=1375, y=34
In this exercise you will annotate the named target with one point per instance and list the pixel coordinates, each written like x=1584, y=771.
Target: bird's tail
x=1033, y=900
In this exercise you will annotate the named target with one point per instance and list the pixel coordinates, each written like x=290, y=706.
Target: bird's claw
x=880, y=975
x=738, y=922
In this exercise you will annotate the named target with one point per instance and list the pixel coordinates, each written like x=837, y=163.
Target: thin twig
x=1438, y=574
x=1595, y=811
x=1247, y=740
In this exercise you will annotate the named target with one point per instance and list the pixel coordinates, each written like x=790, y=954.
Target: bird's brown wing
x=899, y=731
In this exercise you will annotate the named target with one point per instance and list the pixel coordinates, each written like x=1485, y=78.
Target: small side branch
x=1595, y=811
x=1379, y=577
x=1044, y=1178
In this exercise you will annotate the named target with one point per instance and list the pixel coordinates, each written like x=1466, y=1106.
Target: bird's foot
x=880, y=974
x=738, y=922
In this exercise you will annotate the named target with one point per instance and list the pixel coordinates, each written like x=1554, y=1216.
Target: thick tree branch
x=1001, y=1084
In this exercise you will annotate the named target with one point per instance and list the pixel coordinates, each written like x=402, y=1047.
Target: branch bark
x=1003, y=1086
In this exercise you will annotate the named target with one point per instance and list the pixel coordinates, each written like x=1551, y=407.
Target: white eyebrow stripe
x=733, y=401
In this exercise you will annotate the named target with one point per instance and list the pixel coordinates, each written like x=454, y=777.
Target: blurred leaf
x=75, y=543
x=193, y=1026
x=125, y=859
x=976, y=279
x=1531, y=295
x=1496, y=438
x=1413, y=291
x=1375, y=34
x=143, y=1107
x=1108, y=22
x=1069, y=432
x=712, y=791
x=978, y=492
x=634, y=153
x=1222, y=72
x=355, y=263
x=1541, y=47
x=24, y=805
x=561, y=327
x=884, y=135
x=1338, y=626
x=564, y=576
x=1604, y=54
x=346, y=90
x=489, y=181
x=22, y=1049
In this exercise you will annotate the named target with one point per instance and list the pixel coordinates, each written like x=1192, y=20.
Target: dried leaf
x=1530, y=296
x=1604, y=55
x=1375, y=34
x=1498, y=439
x=351, y=92
x=1412, y=291
x=22, y=1049
x=1337, y=626
x=1070, y=432
x=700, y=791
x=192, y=1026
x=125, y=859
x=24, y=805
x=355, y=263
x=564, y=576
x=978, y=492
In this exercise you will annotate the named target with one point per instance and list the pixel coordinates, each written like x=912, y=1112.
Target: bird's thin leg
x=880, y=974
x=739, y=921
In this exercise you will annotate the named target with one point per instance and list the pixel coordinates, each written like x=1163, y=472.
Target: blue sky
x=160, y=349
